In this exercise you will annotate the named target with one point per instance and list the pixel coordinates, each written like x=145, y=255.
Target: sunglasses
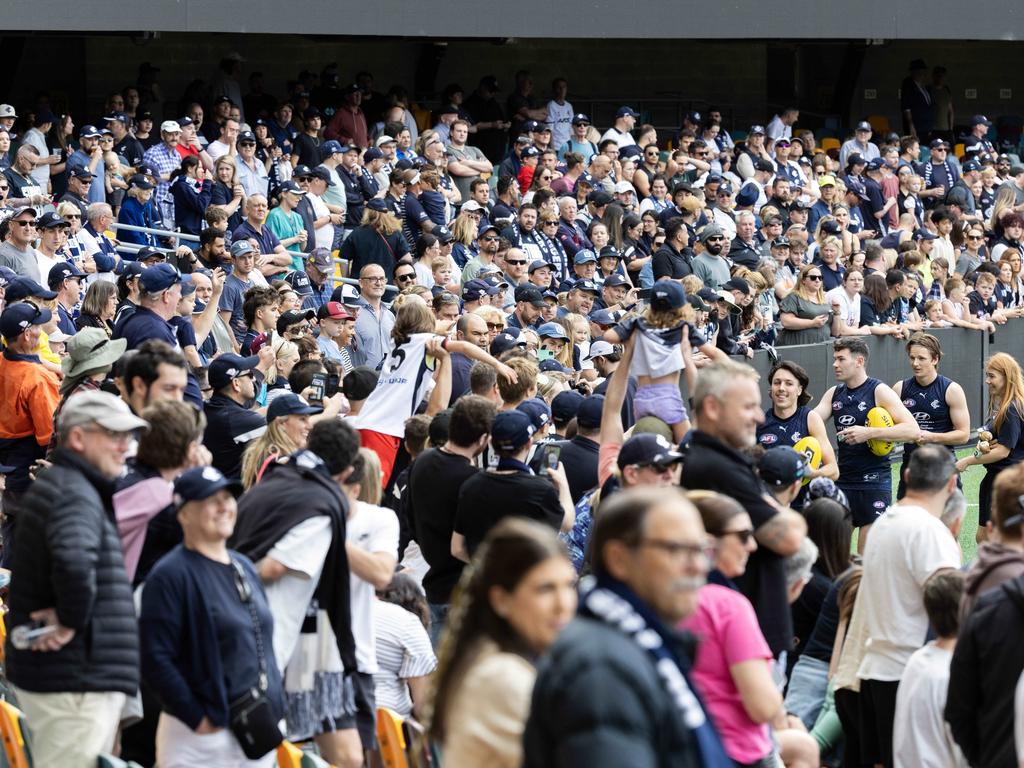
x=516, y=262
x=490, y=239
x=545, y=178
x=975, y=237
x=403, y=278
x=4, y=188
x=744, y=536
x=299, y=330
x=24, y=223
x=496, y=326
x=814, y=277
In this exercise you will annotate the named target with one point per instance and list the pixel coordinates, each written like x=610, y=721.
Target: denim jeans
x=438, y=620
x=808, y=685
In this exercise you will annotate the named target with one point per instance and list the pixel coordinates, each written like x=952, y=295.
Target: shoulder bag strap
x=245, y=594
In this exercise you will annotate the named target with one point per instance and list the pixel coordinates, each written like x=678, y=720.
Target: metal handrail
x=154, y=231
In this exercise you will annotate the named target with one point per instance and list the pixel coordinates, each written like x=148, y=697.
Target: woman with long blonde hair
x=1004, y=446
x=288, y=425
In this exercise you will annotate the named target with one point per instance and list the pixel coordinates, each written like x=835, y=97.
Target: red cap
x=334, y=310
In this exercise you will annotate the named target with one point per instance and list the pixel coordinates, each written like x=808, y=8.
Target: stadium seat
x=391, y=738
x=288, y=755
x=17, y=752
x=879, y=123
x=958, y=150
x=828, y=142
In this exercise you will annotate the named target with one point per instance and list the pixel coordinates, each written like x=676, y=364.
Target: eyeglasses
x=678, y=549
x=380, y=279
x=299, y=330
x=651, y=154
x=550, y=224
x=975, y=237
x=72, y=216
x=814, y=277
x=496, y=326
x=489, y=239
x=21, y=223
x=714, y=238
x=744, y=536
x=545, y=178
x=515, y=262
x=111, y=434
x=247, y=144
x=407, y=276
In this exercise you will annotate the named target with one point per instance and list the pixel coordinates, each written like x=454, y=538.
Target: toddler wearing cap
x=661, y=350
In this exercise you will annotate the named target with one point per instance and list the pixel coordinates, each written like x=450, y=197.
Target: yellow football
x=810, y=449
x=879, y=417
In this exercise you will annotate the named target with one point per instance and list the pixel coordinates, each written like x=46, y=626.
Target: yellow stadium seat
x=288, y=755
x=391, y=738
x=14, y=733
x=828, y=143
x=879, y=123
x=958, y=150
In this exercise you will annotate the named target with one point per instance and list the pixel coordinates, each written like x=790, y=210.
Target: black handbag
x=252, y=716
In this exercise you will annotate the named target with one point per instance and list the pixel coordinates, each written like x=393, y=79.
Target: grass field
x=971, y=480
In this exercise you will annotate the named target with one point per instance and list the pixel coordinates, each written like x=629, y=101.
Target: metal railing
x=154, y=231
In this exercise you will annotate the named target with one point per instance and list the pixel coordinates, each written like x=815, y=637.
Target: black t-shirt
x=131, y=150
x=432, y=498
x=806, y=610
x=712, y=465
x=979, y=307
x=488, y=497
x=579, y=457
x=308, y=150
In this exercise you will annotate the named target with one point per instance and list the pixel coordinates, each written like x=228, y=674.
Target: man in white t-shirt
x=625, y=120
x=225, y=144
x=913, y=541
x=921, y=735
x=560, y=113
x=371, y=541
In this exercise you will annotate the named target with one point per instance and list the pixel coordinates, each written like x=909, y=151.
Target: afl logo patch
x=769, y=438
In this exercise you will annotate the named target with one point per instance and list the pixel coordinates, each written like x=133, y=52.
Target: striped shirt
x=403, y=651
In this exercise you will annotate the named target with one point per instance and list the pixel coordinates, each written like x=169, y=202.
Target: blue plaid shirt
x=165, y=160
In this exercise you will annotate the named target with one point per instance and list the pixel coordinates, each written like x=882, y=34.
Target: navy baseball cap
x=118, y=117
x=980, y=120
x=80, y=172
x=291, y=186
x=7, y=275
x=589, y=414
x=372, y=154
x=200, y=483
x=290, y=405
x=330, y=147
x=149, y=252
x=615, y=280
x=61, y=272
x=972, y=165
x=531, y=152
x=864, y=125
x=17, y=317
x=584, y=257
x=649, y=450
x=505, y=341
x=378, y=205
x=23, y=287
x=511, y=430
x=299, y=281
x=160, y=277
x=537, y=264
x=609, y=252
x=537, y=410
x=565, y=406
x=586, y=285
x=228, y=367
x=51, y=220
x=140, y=181
x=781, y=466
x=323, y=174
x=924, y=234
x=553, y=366
x=604, y=317
x=580, y=119
x=474, y=290
x=530, y=126
x=89, y=132
x=667, y=295
x=876, y=164
x=626, y=112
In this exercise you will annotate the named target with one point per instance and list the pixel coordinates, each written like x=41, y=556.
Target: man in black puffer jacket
x=68, y=574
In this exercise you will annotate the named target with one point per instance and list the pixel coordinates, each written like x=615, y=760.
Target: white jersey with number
x=405, y=380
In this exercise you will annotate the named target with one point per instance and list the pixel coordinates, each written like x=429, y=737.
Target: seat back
x=288, y=755
x=879, y=123
x=958, y=150
x=391, y=738
x=17, y=750
x=829, y=142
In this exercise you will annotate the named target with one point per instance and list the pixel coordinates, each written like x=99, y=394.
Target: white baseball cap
x=170, y=126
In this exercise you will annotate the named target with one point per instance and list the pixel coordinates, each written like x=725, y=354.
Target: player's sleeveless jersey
x=928, y=407
x=858, y=466
x=405, y=379
x=775, y=431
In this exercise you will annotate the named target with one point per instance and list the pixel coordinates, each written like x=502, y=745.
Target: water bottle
x=22, y=636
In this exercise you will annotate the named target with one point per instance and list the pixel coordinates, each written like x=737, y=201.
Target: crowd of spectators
x=324, y=403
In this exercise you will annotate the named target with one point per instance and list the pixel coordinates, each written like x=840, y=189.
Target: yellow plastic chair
x=828, y=142
x=14, y=733
x=288, y=755
x=958, y=150
x=391, y=738
x=879, y=123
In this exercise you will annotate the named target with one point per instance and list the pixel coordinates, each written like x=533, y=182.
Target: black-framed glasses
x=299, y=330
x=490, y=239
x=516, y=262
x=406, y=277
x=814, y=277
x=380, y=279
x=549, y=224
x=21, y=223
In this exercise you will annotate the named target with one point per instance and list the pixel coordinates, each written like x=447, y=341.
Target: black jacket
x=983, y=677
x=68, y=557
x=230, y=428
x=291, y=492
x=668, y=262
x=579, y=457
x=600, y=702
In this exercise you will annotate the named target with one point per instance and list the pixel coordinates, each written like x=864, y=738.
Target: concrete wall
x=648, y=19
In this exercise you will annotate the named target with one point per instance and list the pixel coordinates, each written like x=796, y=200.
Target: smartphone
x=550, y=459
x=545, y=354
x=318, y=387
x=333, y=386
x=644, y=294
